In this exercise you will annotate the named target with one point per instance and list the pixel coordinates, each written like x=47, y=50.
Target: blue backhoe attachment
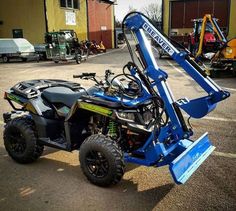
x=172, y=145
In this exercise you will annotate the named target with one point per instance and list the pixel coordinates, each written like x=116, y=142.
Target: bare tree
x=131, y=9
x=117, y=23
x=153, y=11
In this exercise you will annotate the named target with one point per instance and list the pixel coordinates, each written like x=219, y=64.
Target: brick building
x=101, y=21
x=31, y=19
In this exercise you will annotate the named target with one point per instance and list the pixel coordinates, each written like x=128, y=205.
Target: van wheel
x=5, y=59
x=24, y=59
x=78, y=58
x=101, y=160
x=20, y=140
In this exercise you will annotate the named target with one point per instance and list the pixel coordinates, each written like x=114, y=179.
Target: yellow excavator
x=208, y=41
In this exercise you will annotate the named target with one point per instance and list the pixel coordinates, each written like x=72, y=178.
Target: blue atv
x=130, y=117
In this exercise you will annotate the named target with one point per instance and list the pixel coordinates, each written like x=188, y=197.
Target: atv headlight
x=128, y=116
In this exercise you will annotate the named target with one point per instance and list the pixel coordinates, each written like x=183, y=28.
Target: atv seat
x=62, y=95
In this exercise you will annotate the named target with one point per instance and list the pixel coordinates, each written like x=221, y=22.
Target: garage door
x=182, y=12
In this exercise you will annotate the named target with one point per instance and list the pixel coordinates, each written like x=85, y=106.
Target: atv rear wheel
x=101, y=160
x=20, y=141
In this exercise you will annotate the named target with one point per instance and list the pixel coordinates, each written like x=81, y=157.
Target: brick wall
x=100, y=16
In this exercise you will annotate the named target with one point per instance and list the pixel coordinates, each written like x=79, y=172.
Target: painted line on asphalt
x=123, y=46
x=215, y=118
x=219, y=119
x=176, y=68
x=207, y=118
x=179, y=70
x=230, y=89
x=223, y=154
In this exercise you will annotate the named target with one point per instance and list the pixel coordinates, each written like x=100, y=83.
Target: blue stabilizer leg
x=183, y=166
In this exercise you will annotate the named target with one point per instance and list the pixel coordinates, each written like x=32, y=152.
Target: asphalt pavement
x=56, y=182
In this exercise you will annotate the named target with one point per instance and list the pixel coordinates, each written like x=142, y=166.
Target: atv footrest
x=59, y=144
x=184, y=165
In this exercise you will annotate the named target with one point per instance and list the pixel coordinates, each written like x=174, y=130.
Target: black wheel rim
x=17, y=142
x=97, y=164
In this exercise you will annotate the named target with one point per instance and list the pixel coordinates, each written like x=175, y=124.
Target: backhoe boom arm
x=138, y=24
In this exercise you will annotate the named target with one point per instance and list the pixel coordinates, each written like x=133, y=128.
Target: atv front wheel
x=20, y=141
x=101, y=160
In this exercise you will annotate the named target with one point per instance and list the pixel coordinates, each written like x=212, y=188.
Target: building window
x=71, y=4
x=76, y=4
x=17, y=33
x=63, y=3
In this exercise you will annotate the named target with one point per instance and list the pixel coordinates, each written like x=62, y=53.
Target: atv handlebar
x=87, y=76
x=92, y=76
x=84, y=75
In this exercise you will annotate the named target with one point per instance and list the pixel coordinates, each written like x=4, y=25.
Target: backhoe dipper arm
x=196, y=108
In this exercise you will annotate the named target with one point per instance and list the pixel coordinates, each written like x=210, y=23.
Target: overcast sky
x=122, y=7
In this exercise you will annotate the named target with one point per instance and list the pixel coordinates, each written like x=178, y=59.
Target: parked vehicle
x=16, y=48
x=207, y=41
x=204, y=38
x=130, y=117
x=120, y=39
x=40, y=49
x=97, y=48
x=85, y=47
x=63, y=46
x=91, y=47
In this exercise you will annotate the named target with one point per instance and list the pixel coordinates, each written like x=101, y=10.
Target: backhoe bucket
x=183, y=166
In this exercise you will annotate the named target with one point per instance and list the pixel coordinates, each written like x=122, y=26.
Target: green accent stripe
x=14, y=98
x=95, y=108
